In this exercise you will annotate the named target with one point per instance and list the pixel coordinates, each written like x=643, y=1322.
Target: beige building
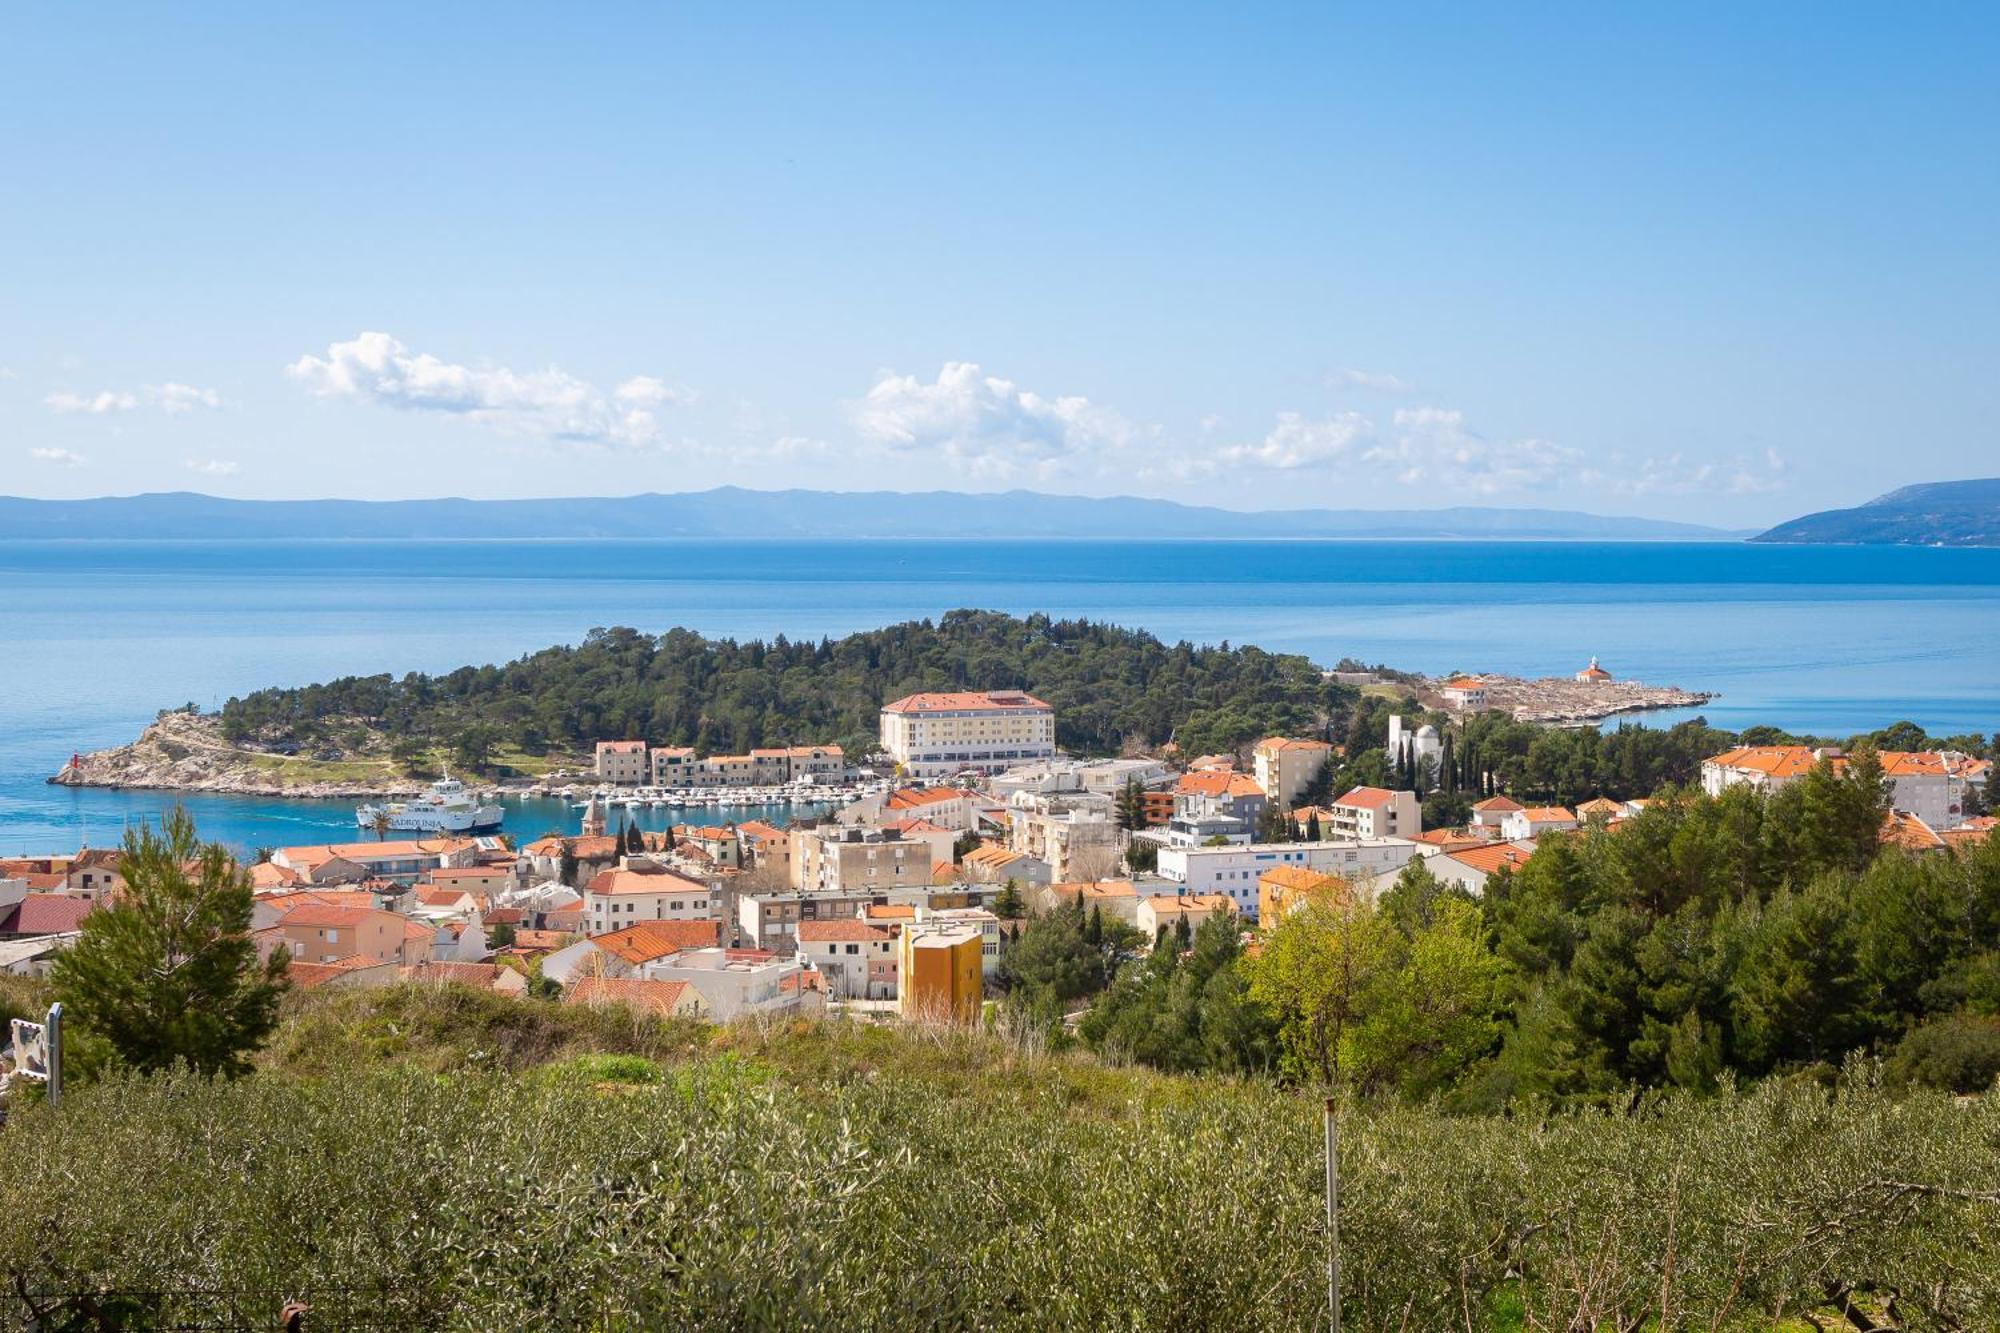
x=934, y=735
x=1284, y=767
x=841, y=859
x=1170, y=909
x=320, y=933
x=856, y=959
x=622, y=762
x=614, y=899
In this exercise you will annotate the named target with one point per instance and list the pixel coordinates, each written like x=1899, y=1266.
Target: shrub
x=1958, y=1053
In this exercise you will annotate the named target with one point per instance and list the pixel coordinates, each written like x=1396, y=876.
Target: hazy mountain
x=732, y=512
x=1937, y=513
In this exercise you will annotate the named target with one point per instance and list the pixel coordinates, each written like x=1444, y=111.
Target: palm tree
x=379, y=821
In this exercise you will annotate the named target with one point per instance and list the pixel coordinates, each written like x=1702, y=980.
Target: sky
x=1725, y=263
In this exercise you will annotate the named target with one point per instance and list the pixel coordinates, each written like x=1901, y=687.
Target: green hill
x=1939, y=513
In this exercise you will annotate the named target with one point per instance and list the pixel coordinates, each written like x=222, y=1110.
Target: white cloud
x=95, y=404
x=1676, y=474
x=993, y=425
x=174, y=399
x=1298, y=441
x=62, y=457
x=171, y=398
x=1380, y=380
x=551, y=403
x=1432, y=446
x=211, y=467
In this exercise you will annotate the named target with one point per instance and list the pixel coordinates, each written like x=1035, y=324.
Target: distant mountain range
x=1937, y=513
x=732, y=512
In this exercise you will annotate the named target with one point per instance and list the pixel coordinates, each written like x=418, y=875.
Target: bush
x=1959, y=1053
x=825, y=1175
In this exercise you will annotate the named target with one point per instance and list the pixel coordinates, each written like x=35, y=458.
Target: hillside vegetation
x=441, y=1158
x=1109, y=686
x=1938, y=513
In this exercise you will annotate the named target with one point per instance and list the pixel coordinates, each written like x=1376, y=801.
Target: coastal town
x=902, y=900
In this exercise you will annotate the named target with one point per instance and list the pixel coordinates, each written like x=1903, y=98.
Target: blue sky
x=1719, y=262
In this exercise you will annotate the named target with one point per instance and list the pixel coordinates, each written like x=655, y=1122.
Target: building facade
x=938, y=734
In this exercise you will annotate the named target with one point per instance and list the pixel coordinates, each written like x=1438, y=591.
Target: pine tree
x=1313, y=830
x=167, y=972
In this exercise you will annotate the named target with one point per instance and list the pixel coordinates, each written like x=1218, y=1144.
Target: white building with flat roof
x=1234, y=870
x=991, y=731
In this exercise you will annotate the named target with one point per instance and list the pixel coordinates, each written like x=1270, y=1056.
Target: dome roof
x=1427, y=732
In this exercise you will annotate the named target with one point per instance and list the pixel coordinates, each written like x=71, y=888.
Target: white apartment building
x=1929, y=784
x=739, y=981
x=1234, y=870
x=858, y=960
x=615, y=899
x=1375, y=812
x=934, y=735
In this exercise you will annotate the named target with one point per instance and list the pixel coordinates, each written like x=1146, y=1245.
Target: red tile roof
x=841, y=932
x=647, y=940
x=662, y=997
x=1009, y=700
x=45, y=914
x=1366, y=798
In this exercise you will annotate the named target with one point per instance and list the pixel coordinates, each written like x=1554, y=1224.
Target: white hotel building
x=937, y=735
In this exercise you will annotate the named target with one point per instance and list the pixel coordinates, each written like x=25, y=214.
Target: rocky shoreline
x=185, y=752
x=1566, y=701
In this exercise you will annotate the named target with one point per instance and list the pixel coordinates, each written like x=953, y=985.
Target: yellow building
x=1281, y=889
x=939, y=974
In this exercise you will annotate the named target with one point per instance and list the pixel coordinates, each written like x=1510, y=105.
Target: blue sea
x=101, y=635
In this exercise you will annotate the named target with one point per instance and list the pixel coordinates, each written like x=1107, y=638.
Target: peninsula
x=1938, y=513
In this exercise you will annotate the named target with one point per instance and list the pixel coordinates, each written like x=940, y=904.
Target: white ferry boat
x=446, y=808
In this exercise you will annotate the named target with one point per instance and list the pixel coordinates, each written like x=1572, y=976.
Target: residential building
x=623, y=762
x=770, y=921
x=1285, y=767
x=1374, y=812
x=1536, y=820
x=1929, y=784
x=1909, y=833
x=990, y=863
x=938, y=734
x=1117, y=899
x=1492, y=812
x=941, y=974
x=673, y=766
x=1235, y=870
x=1283, y=889
x=401, y=861
x=1214, y=803
x=645, y=891
x=992, y=940
x=28, y=915
x=834, y=858
x=1169, y=910
x=1465, y=694
x=857, y=958
x=621, y=953
x=947, y=807
x=320, y=933
x=1471, y=867
x=737, y=982
x=669, y=999
x=1075, y=843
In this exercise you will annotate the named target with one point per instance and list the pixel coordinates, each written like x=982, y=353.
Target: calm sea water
x=99, y=636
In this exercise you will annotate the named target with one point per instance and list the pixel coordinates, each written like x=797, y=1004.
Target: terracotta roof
x=910, y=798
x=647, y=940
x=1297, y=878
x=531, y=941
x=1776, y=761
x=1501, y=804
x=993, y=855
x=662, y=997
x=326, y=916
x=1547, y=814
x=1217, y=782
x=1366, y=798
x=1463, y=683
x=1491, y=857
x=890, y=912
x=840, y=932
x=1900, y=829
x=1181, y=903
x=1601, y=805
x=45, y=914
x=621, y=747
x=482, y=975
x=1275, y=743
x=1010, y=700
x=615, y=883
x=373, y=851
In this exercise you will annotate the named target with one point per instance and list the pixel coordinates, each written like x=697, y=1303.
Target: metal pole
x=1332, y=1220
x=54, y=1035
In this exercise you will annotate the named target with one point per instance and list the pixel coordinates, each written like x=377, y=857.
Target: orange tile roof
x=1601, y=805
x=621, y=747
x=1547, y=814
x=324, y=916
x=1009, y=700
x=1366, y=798
x=841, y=932
x=1181, y=903
x=1095, y=889
x=1502, y=804
x=891, y=912
x=1217, y=782
x=482, y=975
x=1908, y=832
x=910, y=798
x=1463, y=683
x=1274, y=743
x=1491, y=857
x=1774, y=761
x=1297, y=878
x=615, y=883
x=647, y=940
x=662, y=997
